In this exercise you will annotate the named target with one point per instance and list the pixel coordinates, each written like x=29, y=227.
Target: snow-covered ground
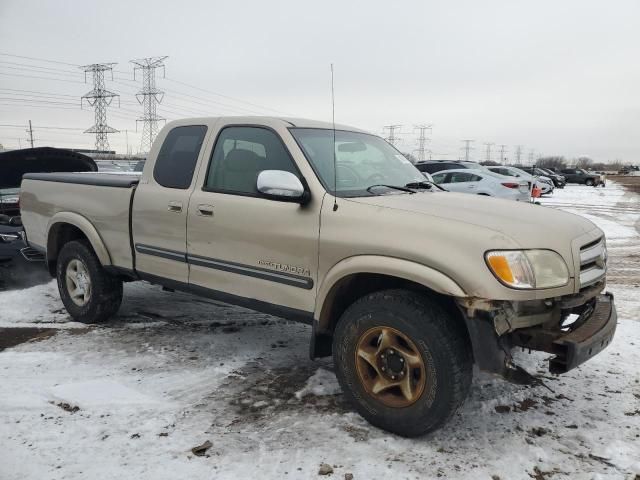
x=130, y=399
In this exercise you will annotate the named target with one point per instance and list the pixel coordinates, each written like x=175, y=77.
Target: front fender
x=85, y=226
x=395, y=267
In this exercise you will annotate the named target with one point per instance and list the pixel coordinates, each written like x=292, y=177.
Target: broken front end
x=573, y=328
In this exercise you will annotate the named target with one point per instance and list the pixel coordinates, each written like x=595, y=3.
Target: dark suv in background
x=579, y=175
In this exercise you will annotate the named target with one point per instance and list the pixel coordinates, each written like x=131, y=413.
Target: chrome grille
x=593, y=262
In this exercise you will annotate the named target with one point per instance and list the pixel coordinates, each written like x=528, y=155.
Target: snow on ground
x=131, y=398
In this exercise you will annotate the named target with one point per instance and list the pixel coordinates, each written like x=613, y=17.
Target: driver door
x=243, y=244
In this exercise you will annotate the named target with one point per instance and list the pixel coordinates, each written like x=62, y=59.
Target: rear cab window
x=178, y=156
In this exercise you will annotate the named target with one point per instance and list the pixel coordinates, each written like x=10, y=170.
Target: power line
x=237, y=108
x=30, y=132
x=99, y=98
x=226, y=96
x=41, y=78
x=30, y=67
x=38, y=59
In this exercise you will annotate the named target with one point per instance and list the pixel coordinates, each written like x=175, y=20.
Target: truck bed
x=101, y=199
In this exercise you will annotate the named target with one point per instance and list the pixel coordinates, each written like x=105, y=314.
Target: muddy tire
x=402, y=361
x=89, y=293
x=589, y=182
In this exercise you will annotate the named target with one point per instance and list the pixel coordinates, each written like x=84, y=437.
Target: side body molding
x=85, y=226
x=395, y=267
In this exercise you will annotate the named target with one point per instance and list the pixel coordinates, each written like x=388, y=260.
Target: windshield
x=363, y=161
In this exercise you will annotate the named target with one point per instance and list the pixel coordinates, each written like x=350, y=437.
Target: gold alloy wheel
x=390, y=367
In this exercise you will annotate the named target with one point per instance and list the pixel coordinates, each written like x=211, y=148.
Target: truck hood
x=531, y=226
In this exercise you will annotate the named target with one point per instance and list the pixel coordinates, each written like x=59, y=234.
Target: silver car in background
x=545, y=184
x=483, y=182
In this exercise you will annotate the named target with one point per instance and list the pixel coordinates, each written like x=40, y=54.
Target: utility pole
x=467, y=148
x=149, y=97
x=503, y=151
x=532, y=153
x=518, y=154
x=126, y=135
x=422, y=141
x=99, y=98
x=30, y=132
x=391, y=138
x=488, y=157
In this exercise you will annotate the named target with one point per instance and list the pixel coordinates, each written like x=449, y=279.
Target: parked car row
x=471, y=177
x=504, y=181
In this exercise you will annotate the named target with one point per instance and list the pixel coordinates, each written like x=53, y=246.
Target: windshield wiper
x=394, y=187
x=423, y=184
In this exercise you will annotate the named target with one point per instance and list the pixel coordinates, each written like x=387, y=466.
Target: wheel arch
x=357, y=276
x=67, y=226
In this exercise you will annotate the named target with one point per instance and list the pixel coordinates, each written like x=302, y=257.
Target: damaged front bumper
x=496, y=328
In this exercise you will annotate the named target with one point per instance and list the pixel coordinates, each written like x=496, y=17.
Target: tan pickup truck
x=406, y=285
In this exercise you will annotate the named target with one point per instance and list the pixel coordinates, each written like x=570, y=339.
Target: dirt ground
x=630, y=182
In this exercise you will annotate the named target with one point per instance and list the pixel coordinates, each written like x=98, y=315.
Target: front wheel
x=589, y=182
x=89, y=293
x=402, y=361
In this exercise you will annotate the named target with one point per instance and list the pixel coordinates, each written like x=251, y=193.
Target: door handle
x=205, y=210
x=175, y=207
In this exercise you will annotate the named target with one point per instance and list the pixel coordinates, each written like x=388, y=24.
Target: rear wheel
x=89, y=293
x=403, y=361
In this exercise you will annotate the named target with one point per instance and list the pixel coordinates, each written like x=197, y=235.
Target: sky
x=555, y=77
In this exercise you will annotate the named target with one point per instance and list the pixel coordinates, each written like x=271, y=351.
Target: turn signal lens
x=528, y=269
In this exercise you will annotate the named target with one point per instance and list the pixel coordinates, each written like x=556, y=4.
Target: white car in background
x=482, y=182
x=545, y=184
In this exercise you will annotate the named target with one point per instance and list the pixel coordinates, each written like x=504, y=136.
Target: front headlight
x=528, y=269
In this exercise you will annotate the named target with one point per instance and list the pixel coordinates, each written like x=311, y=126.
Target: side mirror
x=281, y=185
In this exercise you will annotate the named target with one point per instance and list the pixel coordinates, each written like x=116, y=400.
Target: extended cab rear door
x=161, y=201
x=243, y=244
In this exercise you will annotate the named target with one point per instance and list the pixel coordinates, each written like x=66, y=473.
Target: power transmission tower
x=391, y=138
x=30, y=132
x=422, y=141
x=488, y=145
x=518, y=154
x=467, y=148
x=149, y=97
x=99, y=98
x=503, y=153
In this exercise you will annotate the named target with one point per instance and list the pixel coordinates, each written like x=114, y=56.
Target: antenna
x=335, y=161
